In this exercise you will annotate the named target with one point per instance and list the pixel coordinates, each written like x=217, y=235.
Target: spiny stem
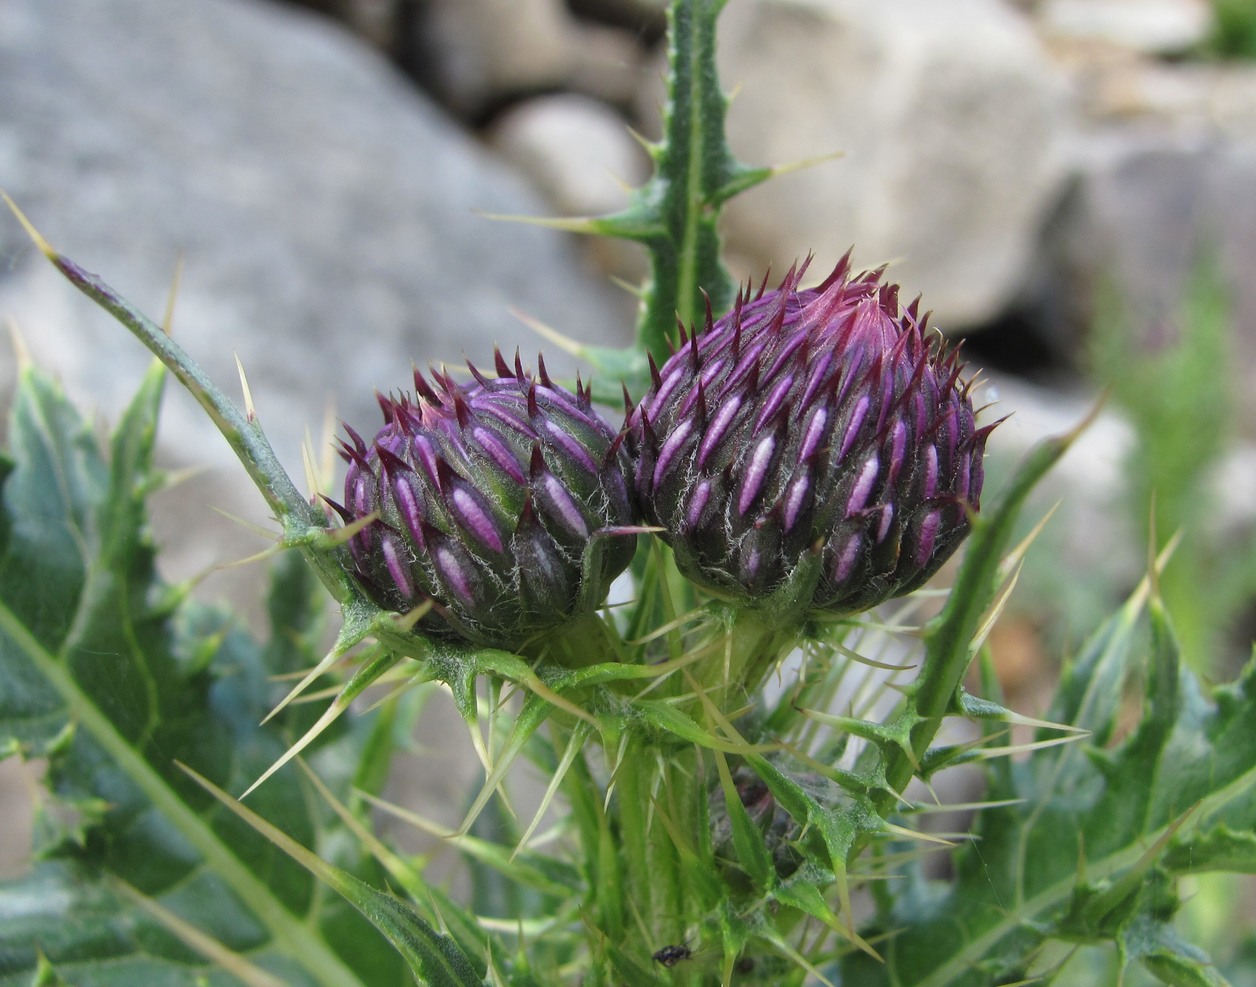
x=948, y=648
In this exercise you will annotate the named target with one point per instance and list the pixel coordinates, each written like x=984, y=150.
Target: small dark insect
x=669, y=956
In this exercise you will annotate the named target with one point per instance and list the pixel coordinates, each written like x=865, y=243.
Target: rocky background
x=320, y=173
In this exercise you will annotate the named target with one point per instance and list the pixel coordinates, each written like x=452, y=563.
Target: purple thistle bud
x=503, y=500
x=818, y=443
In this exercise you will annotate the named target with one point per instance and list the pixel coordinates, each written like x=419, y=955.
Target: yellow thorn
x=323, y=664
x=329, y=716
x=636, y=290
x=855, y=656
x=43, y=245
x=176, y=478
x=308, y=456
x=197, y=940
x=261, y=556
x=553, y=335
x=567, y=224
x=914, y=834
x=1153, y=573
x=21, y=353
x=574, y=746
x=167, y=318
x=327, y=462
x=249, y=410
x=640, y=138
x=804, y=163
x=249, y=525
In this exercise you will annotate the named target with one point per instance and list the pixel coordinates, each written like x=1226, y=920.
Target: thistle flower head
x=813, y=446
x=501, y=500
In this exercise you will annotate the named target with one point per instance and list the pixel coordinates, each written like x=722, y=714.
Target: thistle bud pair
x=503, y=501
x=813, y=450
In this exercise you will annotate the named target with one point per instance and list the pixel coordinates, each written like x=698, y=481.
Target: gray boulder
x=476, y=53
x=323, y=212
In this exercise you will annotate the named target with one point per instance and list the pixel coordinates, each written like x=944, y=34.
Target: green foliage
x=1173, y=383
x=1234, y=30
x=116, y=680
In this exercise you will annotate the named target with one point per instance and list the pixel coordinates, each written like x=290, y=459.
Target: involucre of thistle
x=504, y=501
x=816, y=447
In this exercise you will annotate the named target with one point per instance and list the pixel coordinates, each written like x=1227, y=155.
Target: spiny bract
x=504, y=501
x=816, y=446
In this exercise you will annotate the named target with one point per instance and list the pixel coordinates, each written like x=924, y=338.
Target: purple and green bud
x=503, y=500
x=816, y=447
x=779, y=829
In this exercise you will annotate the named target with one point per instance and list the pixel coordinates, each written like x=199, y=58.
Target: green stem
x=751, y=643
x=605, y=857
x=633, y=795
x=651, y=784
x=298, y=516
x=581, y=642
x=680, y=204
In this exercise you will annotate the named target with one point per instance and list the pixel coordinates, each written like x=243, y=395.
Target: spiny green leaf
x=1083, y=855
x=110, y=682
x=1159, y=947
x=433, y=957
x=1217, y=849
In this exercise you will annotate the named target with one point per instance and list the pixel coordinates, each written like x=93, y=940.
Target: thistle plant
x=736, y=760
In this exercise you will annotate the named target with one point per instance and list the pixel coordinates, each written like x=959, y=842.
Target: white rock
x=478, y=52
x=473, y=56
x=1150, y=26
x=948, y=116
x=576, y=150
x=1152, y=200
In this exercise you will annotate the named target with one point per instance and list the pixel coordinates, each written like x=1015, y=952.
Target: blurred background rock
x=1058, y=178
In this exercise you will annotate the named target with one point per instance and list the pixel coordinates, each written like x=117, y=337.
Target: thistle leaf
x=1090, y=835
x=111, y=675
x=240, y=429
x=433, y=957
